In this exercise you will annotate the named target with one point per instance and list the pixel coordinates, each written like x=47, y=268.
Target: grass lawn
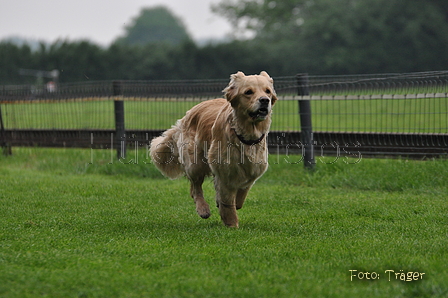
x=74, y=229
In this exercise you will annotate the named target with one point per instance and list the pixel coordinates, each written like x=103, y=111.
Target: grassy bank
x=75, y=225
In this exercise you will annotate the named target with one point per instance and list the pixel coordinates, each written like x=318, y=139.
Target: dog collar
x=248, y=142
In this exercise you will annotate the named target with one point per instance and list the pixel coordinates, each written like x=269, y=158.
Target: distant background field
x=423, y=115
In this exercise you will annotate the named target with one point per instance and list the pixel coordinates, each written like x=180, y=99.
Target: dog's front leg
x=225, y=199
x=241, y=197
x=228, y=214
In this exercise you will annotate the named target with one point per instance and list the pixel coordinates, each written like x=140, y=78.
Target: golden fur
x=225, y=138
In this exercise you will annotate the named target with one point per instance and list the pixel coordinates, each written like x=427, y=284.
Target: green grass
x=59, y=115
x=74, y=229
x=93, y=114
x=429, y=115
x=75, y=225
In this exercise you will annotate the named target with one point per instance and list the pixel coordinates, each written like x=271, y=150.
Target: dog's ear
x=265, y=74
x=274, y=97
x=274, y=94
x=232, y=89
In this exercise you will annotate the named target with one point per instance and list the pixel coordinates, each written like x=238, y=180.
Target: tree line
x=286, y=37
x=84, y=60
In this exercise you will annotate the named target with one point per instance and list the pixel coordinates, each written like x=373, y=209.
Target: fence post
x=120, y=132
x=6, y=148
x=306, y=134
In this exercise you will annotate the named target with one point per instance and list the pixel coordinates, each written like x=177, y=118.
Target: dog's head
x=253, y=95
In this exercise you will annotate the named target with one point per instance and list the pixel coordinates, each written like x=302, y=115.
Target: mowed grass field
x=75, y=223
x=423, y=115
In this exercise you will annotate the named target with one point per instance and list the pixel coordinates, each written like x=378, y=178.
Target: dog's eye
x=249, y=92
x=268, y=91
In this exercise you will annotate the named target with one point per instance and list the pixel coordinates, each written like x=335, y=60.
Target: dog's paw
x=203, y=211
x=232, y=225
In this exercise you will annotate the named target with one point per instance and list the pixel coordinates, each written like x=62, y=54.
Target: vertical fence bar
x=120, y=132
x=306, y=131
x=5, y=147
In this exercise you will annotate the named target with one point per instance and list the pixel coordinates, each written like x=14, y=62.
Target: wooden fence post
x=120, y=132
x=306, y=131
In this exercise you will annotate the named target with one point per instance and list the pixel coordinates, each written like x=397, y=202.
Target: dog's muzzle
x=263, y=109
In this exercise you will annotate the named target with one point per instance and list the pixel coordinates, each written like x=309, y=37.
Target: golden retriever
x=225, y=138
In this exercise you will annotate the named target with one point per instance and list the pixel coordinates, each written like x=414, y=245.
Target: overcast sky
x=100, y=21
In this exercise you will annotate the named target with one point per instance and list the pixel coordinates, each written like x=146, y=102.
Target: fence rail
x=384, y=114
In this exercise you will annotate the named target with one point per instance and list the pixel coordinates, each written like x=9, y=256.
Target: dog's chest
x=238, y=163
x=244, y=175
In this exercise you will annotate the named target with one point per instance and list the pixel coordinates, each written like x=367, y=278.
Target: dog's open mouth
x=261, y=113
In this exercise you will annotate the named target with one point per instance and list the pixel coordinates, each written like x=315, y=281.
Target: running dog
x=224, y=137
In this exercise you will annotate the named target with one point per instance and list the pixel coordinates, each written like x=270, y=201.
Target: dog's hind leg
x=196, y=192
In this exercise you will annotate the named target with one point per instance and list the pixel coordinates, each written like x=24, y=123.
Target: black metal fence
x=385, y=114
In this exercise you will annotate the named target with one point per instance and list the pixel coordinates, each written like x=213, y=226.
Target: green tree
x=263, y=18
x=347, y=36
x=377, y=36
x=155, y=25
x=76, y=61
x=12, y=58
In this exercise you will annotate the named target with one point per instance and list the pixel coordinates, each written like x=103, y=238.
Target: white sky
x=100, y=21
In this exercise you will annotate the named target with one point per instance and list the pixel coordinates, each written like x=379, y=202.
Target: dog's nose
x=264, y=100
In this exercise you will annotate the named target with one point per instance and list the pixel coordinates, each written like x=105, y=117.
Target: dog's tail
x=165, y=154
